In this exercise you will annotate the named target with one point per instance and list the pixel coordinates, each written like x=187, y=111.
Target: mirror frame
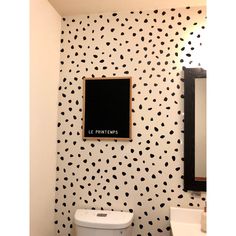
x=190, y=74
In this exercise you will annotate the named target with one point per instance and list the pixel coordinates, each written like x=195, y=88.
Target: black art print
x=107, y=105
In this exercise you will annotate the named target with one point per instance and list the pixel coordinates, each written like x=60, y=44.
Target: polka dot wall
x=144, y=175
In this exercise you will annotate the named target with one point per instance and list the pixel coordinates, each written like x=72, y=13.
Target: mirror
x=200, y=129
x=194, y=129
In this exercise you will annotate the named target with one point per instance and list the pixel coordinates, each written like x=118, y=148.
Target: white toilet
x=102, y=223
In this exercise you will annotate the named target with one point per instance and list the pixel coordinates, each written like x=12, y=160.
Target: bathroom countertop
x=186, y=221
x=186, y=229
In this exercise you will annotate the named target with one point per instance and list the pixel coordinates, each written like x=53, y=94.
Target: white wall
x=45, y=25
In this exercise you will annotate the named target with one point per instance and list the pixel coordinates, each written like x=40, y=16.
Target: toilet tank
x=102, y=223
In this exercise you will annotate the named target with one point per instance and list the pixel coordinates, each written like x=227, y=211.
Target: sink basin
x=186, y=221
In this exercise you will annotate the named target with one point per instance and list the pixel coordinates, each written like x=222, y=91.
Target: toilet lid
x=101, y=219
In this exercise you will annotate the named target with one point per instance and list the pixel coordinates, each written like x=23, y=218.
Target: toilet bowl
x=102, y=223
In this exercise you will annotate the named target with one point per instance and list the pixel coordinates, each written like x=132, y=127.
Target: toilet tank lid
x=101, y=219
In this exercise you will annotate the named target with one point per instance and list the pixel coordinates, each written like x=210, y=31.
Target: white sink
x=186, y=221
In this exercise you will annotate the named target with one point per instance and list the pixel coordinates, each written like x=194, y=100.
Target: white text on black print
x=99, y=131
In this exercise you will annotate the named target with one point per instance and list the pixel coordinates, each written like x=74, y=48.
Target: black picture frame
x=190, y=183
x=107, y=108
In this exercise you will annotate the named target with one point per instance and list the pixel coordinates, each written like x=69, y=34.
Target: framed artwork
x=107, y=108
